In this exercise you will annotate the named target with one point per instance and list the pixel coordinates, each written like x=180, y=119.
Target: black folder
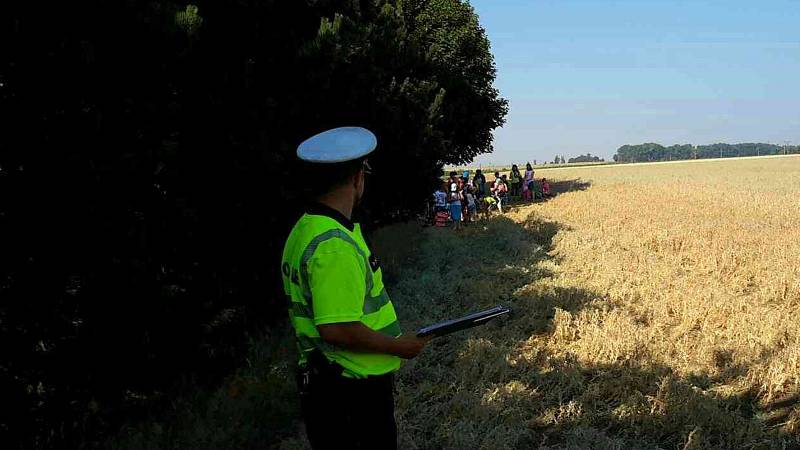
x=470, y=321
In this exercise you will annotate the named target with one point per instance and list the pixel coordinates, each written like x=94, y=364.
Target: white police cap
x=338, y=145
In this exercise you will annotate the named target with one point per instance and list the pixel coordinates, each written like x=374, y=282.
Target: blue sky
x=592, y=75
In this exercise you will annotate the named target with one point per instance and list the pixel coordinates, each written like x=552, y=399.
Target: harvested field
x=655, y=307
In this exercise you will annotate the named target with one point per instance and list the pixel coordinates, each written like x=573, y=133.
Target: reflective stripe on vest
x=371, y=304
x=302, y=311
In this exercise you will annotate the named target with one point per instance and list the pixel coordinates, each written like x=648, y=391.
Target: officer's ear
x=363, y=169
x=359, y=178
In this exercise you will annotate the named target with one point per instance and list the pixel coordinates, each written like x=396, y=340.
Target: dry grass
x=655, y=309
x=701, y=261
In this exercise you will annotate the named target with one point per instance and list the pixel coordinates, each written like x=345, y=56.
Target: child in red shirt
x=545, y=187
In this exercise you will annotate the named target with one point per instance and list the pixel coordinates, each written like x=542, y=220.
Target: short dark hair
x=323, y=178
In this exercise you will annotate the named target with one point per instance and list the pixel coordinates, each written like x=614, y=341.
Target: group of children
x=456, y=200
x=461, y=198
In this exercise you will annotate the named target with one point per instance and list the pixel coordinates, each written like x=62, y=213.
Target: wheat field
x=657, y=307
x=654, y=307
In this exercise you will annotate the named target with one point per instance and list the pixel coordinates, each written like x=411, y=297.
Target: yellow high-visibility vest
x=329, y=276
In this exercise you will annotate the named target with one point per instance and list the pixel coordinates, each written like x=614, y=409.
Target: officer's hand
x=408, y=345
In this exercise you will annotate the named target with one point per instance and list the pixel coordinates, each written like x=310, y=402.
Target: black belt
x=319, y=370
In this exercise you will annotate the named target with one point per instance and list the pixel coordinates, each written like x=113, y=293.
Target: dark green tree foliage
x=147, y=177
x=656, y=152
x=585, y=158
x=454, y=42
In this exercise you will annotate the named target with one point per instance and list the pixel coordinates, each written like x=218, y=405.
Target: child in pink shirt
x=545, y=187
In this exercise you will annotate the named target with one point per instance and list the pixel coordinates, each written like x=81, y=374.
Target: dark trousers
x=342, y=413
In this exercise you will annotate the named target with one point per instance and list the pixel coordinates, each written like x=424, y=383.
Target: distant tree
x=676, y=151
x=639, y=153
x=656, y=152
x=585, y=158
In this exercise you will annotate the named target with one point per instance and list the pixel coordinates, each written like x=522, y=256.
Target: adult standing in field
x=480, y=183
x=466, y=184
x=479, y=180
x=455, y=200
x=527, y=188
x=347, y=333
x=516, y=180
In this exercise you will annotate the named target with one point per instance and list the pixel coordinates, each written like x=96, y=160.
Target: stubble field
x=654, y=307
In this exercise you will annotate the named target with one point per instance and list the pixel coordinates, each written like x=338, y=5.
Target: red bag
x=441, y=219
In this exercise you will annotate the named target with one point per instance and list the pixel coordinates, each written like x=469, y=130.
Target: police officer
x=348, y=336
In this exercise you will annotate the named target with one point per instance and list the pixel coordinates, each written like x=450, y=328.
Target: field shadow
x=613, y=406
x=556, y=188
x=497, y=386
x=494, y=261
x=563, y=186
x=482, y=264
x=782, y=410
